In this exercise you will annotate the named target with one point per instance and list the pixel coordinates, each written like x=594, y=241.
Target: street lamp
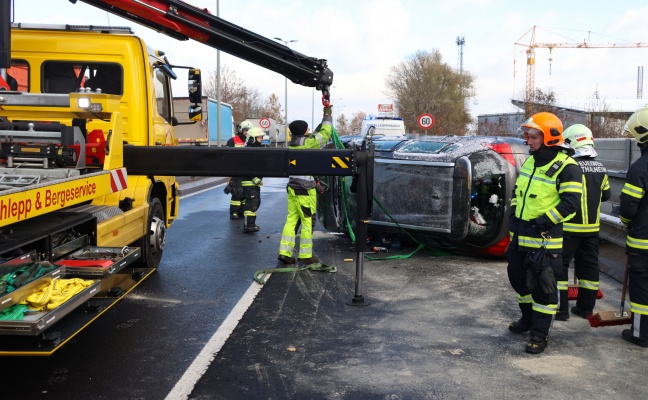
x=335, y=109
x=286, y=79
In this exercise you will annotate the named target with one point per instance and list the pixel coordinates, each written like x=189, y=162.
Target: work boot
x=250, y=228
x=626, y=334
x=536, y=345
x=520, y=326
x=562, y=315
x=309, y=260
x=234, y=216
x=581, y=313
x=286, y=259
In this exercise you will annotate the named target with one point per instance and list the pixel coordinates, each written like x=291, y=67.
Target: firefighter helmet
x=255, y=132
x=578, y=135
x=637, y=125
x=549, y=125
x=245, y=125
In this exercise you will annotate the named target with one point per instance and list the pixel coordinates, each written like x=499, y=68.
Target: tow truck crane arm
x=182, y=21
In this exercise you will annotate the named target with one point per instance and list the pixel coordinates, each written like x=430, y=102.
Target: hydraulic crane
x=529, y=94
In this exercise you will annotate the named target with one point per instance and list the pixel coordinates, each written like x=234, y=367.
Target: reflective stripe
x=545, y=309
x=235, y=202
x=639, y=308
x=536, y=243
x=554, y=216
x=637, y=243
x=574, y=187
x=562, y=285
x=249, y=213
x=625, y=221
x=589, y=285
x=286, y=245
x=632, y=190
x=528, y=299
x=569, y=227
x=514, y=201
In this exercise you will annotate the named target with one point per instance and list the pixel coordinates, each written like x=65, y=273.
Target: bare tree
x=342, y=125
x=356, y=122
x=245, y=102
x=272, y=109
x=602, y=121
x=425, y=84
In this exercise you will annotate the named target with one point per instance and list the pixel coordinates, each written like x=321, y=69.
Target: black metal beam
x=227, y=161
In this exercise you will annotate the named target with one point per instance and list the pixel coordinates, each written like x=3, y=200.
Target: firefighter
x=581, y=233
x=252, y=186
x=234, y=187
x=547, y=192
x=302, y=196
x=633, y=213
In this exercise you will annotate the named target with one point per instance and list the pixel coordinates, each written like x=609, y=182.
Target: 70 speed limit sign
x=425, y=121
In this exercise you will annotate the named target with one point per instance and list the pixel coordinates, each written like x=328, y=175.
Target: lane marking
x=201, y=363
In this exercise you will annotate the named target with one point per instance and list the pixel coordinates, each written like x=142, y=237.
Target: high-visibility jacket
x=236, y=141
x=316, y=140
x=546, y=194
x=596, y=189
x=633, y=210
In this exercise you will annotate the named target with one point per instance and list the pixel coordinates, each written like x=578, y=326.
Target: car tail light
x=504, y=150
x=497, y=249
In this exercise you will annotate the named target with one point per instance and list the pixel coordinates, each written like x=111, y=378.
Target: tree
x=245, y=101
x=423, y=83
x=272, y=109
x=356, y=122
x=342, y=125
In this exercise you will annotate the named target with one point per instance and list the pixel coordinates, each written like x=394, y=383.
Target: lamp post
x=335, y=110
x=286, y=83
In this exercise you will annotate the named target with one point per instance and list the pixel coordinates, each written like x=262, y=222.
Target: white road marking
x=201, y=363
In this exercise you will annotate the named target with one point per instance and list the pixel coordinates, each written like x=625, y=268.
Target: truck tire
x=152, y=244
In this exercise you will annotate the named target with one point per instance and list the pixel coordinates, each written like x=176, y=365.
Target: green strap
x=396, y=257
x=260, y=275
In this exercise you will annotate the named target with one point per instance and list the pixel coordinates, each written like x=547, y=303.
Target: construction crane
x=529, y=94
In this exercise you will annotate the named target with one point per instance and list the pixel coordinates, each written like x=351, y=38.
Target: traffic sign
x=385, y=108
x=425, y=121
x=264, y=123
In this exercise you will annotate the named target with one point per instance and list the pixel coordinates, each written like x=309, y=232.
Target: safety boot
x=562, y=315
x=286, y=259
x=309, y=260
x=536, y=345
x=250, y=228
x=520, y=326
x=626, y=334
x=581, y=313
x=234, y=216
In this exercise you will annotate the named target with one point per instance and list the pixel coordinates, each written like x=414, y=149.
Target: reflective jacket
x=633, y=210
x=236, y=141
x=547, y=192
x=596, y=189
x=317, y=140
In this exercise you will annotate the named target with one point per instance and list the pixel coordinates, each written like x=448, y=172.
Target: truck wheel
x=152, y=243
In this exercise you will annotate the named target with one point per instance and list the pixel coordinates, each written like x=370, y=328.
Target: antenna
x=461, y=42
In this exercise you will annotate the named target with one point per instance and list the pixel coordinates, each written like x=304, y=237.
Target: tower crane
x=529, y=94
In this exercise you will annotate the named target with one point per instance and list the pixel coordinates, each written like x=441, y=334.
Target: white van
x=382, y=126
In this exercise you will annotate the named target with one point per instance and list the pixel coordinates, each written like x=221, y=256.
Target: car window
x=386, y=145
x=423, y=147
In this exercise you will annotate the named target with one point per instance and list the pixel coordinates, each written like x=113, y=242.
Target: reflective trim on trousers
x=528, y=299
x=287, y=245
x=235, y=203
x=639, y=308
x=589, y=285
x=545, y=309
x=305, y=247
x=249, y=213
x=637, y=243
x=562, y=285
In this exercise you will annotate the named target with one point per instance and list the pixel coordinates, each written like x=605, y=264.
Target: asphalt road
x=435, y=327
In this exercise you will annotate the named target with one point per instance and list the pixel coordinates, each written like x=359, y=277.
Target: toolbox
x=91, y=262
x=8, y=267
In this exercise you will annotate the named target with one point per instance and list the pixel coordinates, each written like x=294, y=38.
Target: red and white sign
x=425, y=121
x=118, y=179
x=264, y=123
x=385, y=108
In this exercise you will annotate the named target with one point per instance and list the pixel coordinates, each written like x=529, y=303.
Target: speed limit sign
x=425, y=121
x=264, y=123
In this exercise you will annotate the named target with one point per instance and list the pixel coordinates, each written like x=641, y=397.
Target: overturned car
x=449, y=192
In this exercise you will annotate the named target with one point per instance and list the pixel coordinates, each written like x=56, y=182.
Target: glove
x=547, y=280
x=228, y=189
x=328, y=110
x=534, y=263
x=542, y=224
x=257, y=181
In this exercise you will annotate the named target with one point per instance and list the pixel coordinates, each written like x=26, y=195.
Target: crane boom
x=182, y=21
x=530, y=56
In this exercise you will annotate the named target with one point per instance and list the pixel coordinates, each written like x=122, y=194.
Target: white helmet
x=255, y=132
x=245, y=125
x=637, y=125
x=580, y=138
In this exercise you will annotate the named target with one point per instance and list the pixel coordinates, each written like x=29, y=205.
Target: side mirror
x=195, y=86
x=195, y=112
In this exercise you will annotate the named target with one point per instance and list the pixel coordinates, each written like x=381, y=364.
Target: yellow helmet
x=549, y=125
x=245, y=125
x=578, y=135
x=637, y=125
x=255, y=132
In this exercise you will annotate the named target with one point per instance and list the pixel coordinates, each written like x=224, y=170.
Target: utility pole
x=286, y=83
x=461, y=42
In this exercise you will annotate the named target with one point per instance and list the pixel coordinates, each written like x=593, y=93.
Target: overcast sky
x=363, y=39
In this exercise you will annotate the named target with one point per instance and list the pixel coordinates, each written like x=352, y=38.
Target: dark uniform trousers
x=638, y=276
x=584, y=250
x=540, y=321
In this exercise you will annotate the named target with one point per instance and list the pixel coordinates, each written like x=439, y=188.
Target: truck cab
x=382, y=126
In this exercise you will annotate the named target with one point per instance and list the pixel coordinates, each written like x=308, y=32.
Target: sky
x=363, y=39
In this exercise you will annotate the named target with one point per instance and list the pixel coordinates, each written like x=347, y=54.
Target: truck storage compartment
x=93, y=262
x=22, y=276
